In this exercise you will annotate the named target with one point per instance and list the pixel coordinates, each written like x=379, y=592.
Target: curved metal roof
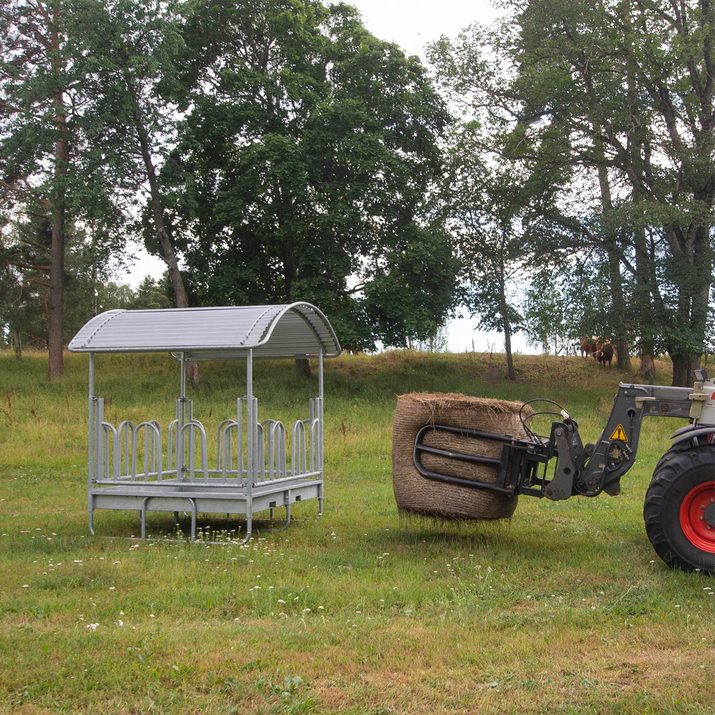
x=295, y=330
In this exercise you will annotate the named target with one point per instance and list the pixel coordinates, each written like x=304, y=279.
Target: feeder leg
x=142, y=517
x=285, y=525
x=193, y=520
x=249, y=528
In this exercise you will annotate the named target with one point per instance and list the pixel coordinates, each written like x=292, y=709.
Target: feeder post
x=92, y=430
x=320, y=409
x=250, y=442
x=251, y=420
x=90, y=419
x=182, y=421
x=183, y=378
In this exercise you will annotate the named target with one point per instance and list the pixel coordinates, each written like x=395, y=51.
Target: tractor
x=679, y=509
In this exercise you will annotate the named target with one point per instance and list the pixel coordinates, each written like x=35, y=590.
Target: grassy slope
x=565, y=608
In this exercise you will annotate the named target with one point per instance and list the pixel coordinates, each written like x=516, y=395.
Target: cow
x=605, y=354
x=589, y=346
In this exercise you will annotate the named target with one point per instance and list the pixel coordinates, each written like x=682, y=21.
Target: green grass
x=565, y=608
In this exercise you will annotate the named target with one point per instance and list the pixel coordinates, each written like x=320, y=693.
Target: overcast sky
x=412, y=24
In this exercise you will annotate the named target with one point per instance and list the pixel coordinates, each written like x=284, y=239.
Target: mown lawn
x=565, y=608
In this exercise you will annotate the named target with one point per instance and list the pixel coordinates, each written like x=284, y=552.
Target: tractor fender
x=701, y=435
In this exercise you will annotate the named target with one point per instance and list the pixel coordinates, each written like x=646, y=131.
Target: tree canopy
x=614, y=102
x=306, y=154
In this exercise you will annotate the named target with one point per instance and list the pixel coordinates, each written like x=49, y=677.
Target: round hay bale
x=416, y=494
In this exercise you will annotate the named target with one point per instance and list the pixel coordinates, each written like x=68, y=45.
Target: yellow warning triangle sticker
x=619, y=433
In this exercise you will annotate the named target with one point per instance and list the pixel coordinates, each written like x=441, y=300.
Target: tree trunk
x=623, y=358
x=302, y=368
x=511, y=373
x=647, y=366
x=683, y=367
x=693, y=306
x=55, y=364
x=647, y=301
x=623, y=355
x=157, y=210
x=17, y=344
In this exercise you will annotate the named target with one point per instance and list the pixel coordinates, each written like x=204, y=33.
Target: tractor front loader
x=679, y=508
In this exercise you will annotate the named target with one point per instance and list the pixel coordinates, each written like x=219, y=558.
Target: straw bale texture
x=416, y=494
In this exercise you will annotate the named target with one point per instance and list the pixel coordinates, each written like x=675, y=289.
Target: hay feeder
x=145, y=467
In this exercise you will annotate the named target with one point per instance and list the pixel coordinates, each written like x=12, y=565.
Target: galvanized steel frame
x=266, y=483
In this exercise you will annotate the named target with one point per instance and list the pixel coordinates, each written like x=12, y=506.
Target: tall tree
x=310, y=145
x=620, y=94
x=35, y=84
x=485, y=208
x=630, y=84
x=128, y=50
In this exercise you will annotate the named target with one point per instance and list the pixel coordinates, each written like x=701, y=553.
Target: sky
x=412, y=24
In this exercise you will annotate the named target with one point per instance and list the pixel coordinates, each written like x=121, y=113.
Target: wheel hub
x=710, y=515
x=697, y=516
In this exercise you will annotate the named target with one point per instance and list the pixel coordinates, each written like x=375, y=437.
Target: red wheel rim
x=693, y=520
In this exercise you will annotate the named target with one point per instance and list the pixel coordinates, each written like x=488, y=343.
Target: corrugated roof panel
x=294, y=330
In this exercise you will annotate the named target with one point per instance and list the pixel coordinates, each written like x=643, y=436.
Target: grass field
x=565, y=608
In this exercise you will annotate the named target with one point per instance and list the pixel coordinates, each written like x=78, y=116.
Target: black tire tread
x=672, y=466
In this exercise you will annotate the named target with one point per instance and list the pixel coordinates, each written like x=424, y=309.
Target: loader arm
x=614, y=453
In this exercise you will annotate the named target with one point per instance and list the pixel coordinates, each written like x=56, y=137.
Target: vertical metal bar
x=239, y=439
x=125, y=429
x=173, y=446
x=99, y=439
x=304, y=447
x=182, y=422
x=117, y=453
x=135, y=438
x=147, y=454
x=320, y=430
x=312, y=410
x=281, y=450
x=105, y=453
x=271, y=447
x=251, y=441
x=91, y=420
x=293, y=447
x=320, y=411
x=228, y=452
x=259, y=457
x=192, y=440
x=193, y=519
x=159, y=454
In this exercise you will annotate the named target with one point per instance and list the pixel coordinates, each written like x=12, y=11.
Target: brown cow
x=589, y=346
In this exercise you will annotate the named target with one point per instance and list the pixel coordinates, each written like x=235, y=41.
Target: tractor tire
x=679, y=509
